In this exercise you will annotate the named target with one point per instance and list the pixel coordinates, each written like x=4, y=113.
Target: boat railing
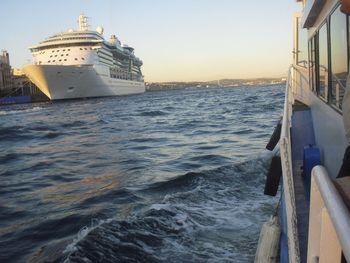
x=300, y=83
x=338, y=91
x=299, y=80
x=329, y=221
x=286, y=159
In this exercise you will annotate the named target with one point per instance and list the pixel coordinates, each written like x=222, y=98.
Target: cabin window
x=323, y=62
x=312, y=63
x=339, y=58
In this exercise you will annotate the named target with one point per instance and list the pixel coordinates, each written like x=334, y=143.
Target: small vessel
x=81, y=64
x=315, y=200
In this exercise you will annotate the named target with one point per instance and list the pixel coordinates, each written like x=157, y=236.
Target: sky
x=177, y=40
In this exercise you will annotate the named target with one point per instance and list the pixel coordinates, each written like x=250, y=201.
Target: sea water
x=169, y=176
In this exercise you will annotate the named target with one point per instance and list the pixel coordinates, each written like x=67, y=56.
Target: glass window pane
x=302, y=54
x=338, y=56
x=312, y=63
x=323, y=62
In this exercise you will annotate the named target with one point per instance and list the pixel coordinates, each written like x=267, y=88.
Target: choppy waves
x=166, y=176
x=208, y=216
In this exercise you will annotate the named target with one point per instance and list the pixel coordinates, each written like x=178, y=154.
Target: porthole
x=83, y=58
x=75, y=59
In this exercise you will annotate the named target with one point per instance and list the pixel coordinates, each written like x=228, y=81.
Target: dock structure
x=15, y=85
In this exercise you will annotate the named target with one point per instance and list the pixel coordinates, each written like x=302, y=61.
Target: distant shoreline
x=224, y=83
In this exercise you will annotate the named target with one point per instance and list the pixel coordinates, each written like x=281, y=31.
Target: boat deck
x=302, y=134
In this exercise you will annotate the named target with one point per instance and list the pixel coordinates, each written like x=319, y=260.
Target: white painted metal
x=324, y=234
x=288, y=185
x=81, y=64
x=327, y=122
x=67, y=82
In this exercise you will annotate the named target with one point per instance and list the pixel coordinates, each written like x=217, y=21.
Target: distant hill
x=152, y=86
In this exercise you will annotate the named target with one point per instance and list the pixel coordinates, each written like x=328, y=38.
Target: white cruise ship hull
x=69, y=82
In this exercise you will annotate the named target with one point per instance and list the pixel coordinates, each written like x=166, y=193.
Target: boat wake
x=210, y=216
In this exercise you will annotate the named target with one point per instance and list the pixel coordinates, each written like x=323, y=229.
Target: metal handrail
x=336, y=208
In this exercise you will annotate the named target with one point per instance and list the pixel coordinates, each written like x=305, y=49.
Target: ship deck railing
x=287, y=173
x=329, y=220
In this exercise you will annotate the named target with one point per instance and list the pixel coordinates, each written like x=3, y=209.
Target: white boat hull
x=69, y=82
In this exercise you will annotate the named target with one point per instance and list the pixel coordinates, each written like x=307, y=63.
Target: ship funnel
x=99, y=30
x=83, y=23
x=113, y=40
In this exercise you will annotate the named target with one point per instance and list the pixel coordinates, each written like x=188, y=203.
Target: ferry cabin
x=314, y=214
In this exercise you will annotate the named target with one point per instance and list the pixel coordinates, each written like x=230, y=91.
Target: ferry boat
x=81, y=63
x=314, y=207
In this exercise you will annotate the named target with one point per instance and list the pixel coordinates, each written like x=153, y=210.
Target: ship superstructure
x=314, y=208
x=81, y=63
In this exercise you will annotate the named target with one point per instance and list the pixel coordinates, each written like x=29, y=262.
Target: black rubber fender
x=273, y=176
x=275, y=137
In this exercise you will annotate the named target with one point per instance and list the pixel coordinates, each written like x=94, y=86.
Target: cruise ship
x=313, y=222
x=81, y=64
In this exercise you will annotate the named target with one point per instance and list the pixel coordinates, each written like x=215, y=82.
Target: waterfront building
x=6, y=82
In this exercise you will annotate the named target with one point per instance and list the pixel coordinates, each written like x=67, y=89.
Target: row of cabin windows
x=63, y=50
x=327, y=57
x=60, y=60
x=56, y=55
x=58, y=50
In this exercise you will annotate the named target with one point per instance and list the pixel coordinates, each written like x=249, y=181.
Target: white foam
x=20, y=111
x=72, y=247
